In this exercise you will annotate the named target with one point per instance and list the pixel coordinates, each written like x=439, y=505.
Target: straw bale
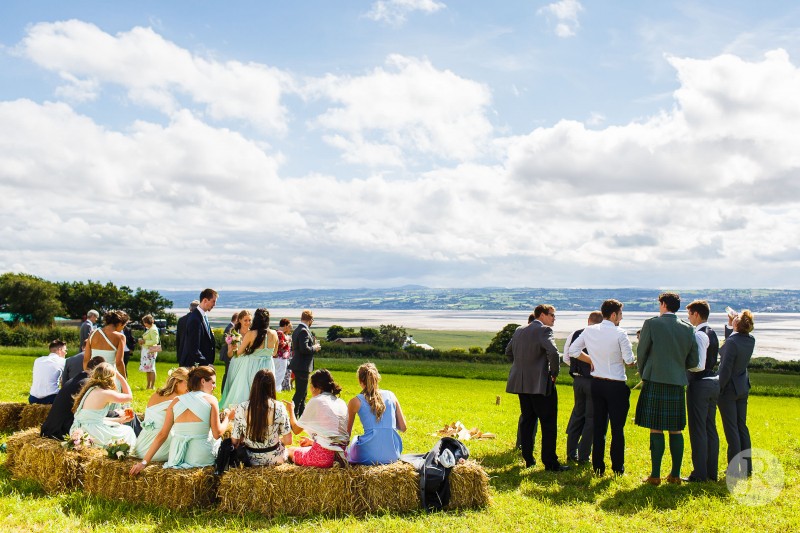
x=286, y=489
x=385, y=488
x=172, y=488
x=48, y=463
x=15, y=443
x=9, y=415
x=33, y=415
x=469, y=486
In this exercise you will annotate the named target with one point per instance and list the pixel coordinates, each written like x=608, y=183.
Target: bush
x=25, y=335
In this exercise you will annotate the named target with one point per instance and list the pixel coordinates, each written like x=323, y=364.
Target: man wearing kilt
x=667, y=349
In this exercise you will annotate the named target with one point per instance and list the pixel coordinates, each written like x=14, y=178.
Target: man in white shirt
x=610, y=351
x=580, y=429
x=702, y=394
x=47, y=374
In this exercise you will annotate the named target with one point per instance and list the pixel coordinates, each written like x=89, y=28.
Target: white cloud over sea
x=425, y=183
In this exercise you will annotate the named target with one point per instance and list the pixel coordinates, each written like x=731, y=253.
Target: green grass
x=448, y=340
x=523, y=499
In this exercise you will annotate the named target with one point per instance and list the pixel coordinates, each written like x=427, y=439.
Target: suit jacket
x=197, y=344
x=72, y=367
x=735, y=355
x=86, y=329
x=534, y=359
x=303, y=347
x=180, y=330
x=223, y=352
x=60, y=418
x=667, y=348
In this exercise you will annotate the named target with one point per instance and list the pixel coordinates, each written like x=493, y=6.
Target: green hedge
x=24, y=335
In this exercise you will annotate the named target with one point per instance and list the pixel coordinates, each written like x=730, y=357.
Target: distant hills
x=418, y=297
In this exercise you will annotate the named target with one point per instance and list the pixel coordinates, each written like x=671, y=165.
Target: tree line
x=36, y=301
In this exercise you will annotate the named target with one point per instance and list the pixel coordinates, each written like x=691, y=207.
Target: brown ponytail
x=369, y=377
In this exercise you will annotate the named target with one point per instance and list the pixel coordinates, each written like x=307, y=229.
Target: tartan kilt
x=661, y=406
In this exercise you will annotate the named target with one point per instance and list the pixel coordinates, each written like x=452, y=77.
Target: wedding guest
x=261, y=424
x=381, y=417
x=734, y=385
x=256, y=352
x=325, y=420
x=130, y=344
x=283, y=354
x=149, y=342
x=47, y=372
x=87, y=327
x=109, y=341
x=223, y=352
x=197, y=340
x=180, y=328
x=60, y=417
x=188, y=420
x=156, y=413
x=304, y=346
x=92, y=403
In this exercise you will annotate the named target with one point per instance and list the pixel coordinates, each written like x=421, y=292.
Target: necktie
x=208, y=327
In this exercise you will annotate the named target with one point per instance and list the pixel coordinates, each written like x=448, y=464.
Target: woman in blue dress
x=257, y=350
x=156, y=414
x=381, y=416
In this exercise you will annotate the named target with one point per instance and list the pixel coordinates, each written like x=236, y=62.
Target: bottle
x=731, y=313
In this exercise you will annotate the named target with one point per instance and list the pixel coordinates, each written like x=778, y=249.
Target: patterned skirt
x=661, y=406
x=314, y=455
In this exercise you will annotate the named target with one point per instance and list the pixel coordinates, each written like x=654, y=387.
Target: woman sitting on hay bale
x=156, y=414
x=381, y=416
x=325, y=419
x=261, y=425
x=93, y=401
x=189, y=418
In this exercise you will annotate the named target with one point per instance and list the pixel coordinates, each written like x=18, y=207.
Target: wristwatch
x=144, y=462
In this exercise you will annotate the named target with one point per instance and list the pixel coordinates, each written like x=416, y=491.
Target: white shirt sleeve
x=702, y=348
x=578, y=346
x=626, y=348
x=565, y=357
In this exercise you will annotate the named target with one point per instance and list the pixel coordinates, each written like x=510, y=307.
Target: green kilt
x=661, y=406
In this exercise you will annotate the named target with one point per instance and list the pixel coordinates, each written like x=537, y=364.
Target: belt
x=609, y=379
x=263, y=450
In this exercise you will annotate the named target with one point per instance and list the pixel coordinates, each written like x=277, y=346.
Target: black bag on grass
x=434, y=471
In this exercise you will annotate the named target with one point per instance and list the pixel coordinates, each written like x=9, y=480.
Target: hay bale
x=385, y=488
x=286, y=489
x=168, y=487
x=48, y=463
x=9, y=415
x=15, y=443
x=469, y=487
x=33, y=415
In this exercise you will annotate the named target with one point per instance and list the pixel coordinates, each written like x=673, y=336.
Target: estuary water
x=777, y=334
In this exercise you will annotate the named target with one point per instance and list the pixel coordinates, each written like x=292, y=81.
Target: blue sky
x=273, y=145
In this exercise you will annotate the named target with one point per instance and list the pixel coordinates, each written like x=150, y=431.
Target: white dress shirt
x=609, y=347
x=702, y=347
x=47, y=372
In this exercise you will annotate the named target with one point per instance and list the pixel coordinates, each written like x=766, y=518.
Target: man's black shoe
x=557, y=468
x=692, y=479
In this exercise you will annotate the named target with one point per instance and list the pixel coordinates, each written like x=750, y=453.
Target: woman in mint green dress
x=92, y=404
x=257, y=349
x=192, y=423
x=156, y=414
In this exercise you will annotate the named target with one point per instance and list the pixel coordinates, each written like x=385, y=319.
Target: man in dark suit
x=197, y=343
x=304, y=346
x=180, y=329
x=72, y=367
x=532, y=377
x=223, y=352
x=60, y=417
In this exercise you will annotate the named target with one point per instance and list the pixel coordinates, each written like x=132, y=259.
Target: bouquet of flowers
x=77, y=440
x=117, y=449
x=233, y=338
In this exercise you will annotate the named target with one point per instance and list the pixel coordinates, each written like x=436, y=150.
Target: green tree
x=501, y=339
x=391, y=335
x=370, y=335
x=29, y=298
x=340, y=332
x=78, y=297
x=143, y=302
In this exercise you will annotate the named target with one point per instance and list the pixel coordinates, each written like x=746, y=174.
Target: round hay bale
x=9, y=415
x=469, y=486
x=384, y=488
x=33, y=415
x=172, y=488
x=15, y=443
x=48, y=463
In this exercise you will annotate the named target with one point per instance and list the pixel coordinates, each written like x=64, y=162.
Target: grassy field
x=529, y=500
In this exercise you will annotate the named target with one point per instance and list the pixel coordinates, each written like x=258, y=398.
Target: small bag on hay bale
x=173, y=488
x=16, y=441
x=48, y=463
x=9, y=415
x=33, y=415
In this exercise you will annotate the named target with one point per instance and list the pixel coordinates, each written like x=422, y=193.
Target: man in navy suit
x=181, y=328
x=197, y=342
x=304, y=345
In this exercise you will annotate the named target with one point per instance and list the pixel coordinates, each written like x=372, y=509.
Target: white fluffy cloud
x=396, y=11
x=566, y=14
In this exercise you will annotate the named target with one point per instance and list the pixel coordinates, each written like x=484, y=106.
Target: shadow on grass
x=664, y=497
x=13, y=487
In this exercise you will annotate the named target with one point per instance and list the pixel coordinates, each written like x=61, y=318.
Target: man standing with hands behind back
x=305, y=346
x=534, y=368
x=197, y=344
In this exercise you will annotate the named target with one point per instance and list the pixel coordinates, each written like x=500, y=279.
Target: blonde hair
x=176, y=375
x=102, y=376
x=745, y=324
x=368, y=375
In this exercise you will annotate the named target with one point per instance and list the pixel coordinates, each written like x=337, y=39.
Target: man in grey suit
x=72, y=367
x=535, y=365
x=87, y=327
